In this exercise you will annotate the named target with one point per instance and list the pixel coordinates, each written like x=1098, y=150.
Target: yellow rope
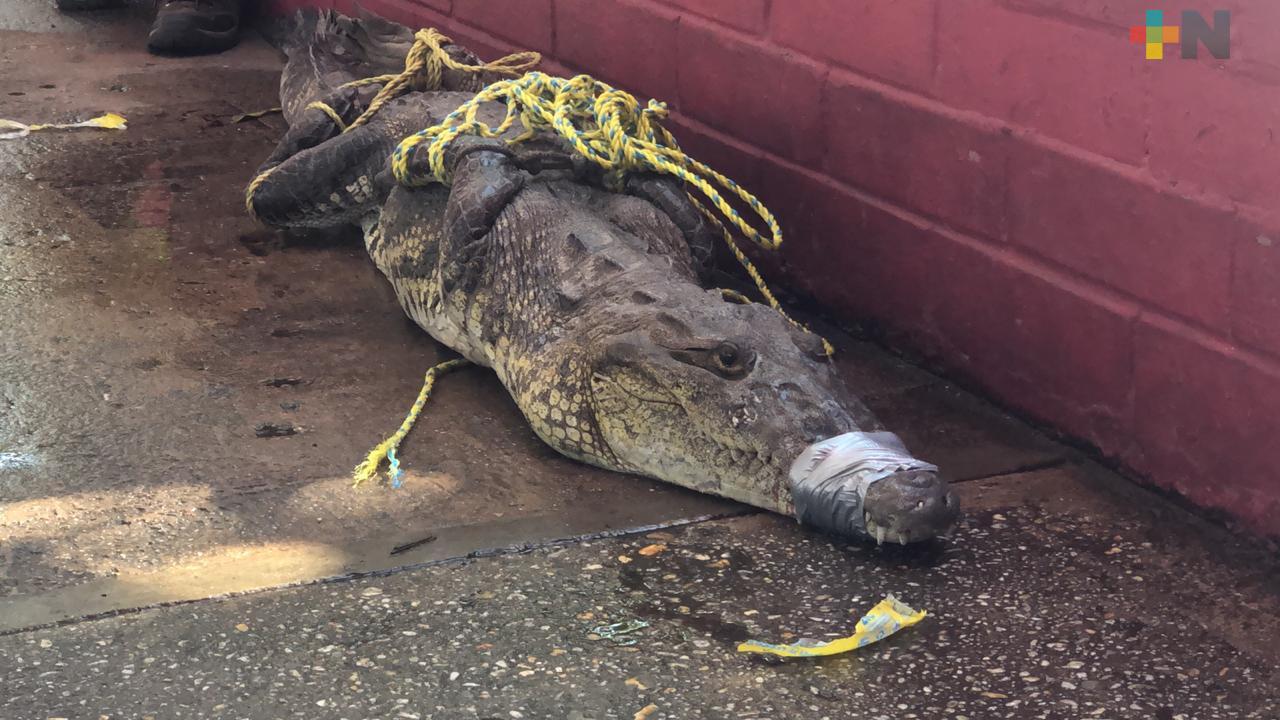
x=368, y=469
x=608, y=127
x=333, y=114
x=424, y=68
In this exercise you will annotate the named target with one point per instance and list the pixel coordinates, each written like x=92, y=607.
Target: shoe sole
x=83, y=5
x=180, y=35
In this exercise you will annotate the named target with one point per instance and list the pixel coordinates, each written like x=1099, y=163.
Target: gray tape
x=830, y=479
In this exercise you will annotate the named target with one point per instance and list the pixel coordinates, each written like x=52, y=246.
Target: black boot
x=192, y=27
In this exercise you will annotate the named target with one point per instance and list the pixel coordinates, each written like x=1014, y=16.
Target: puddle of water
x=222, y=571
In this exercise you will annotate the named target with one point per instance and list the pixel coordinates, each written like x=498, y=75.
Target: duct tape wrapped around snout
x=830, y=479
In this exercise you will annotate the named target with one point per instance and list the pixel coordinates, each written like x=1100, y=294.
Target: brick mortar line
x=763, y=46
x=1034, y=137
x=515, y=45
x=553, y=18
x=1255, y=358
x=1122, y=303
x=486, y=35
x=1073, y=281
x=1252, y=70
x=768, y=45
x=675, y=12
x=935, y=45
x=914, y=98
x=1067, y=18
x=681, y=12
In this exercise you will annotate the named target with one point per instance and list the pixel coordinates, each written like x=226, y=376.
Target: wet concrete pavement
x=182, y=396
x=153, y=334
x=1053, y=600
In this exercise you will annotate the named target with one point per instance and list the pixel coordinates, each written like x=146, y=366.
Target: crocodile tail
x=326, y=49
x=380, y=43
x=301, y=27
x=367, y=43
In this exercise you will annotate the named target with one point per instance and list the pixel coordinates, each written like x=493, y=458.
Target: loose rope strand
x=368, y=469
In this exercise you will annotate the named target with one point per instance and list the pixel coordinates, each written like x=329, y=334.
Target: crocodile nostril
x=814, y=423
x=920, y=480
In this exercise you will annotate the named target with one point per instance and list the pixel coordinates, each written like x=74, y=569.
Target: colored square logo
x=1193, y=32
x=1154, y=34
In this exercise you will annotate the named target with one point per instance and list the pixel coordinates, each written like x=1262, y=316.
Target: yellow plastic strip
x=886, y=618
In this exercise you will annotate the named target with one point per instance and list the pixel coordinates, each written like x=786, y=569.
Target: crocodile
x=591, y=305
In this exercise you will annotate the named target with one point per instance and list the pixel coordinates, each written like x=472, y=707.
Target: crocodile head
x=726, y=398
x=619, y=357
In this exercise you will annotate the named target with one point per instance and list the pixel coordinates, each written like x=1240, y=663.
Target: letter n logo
x=1216, y=39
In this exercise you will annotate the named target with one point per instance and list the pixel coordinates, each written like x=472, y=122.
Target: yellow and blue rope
x=368, y=469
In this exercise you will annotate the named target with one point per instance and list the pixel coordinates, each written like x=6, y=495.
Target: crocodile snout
x=909, y=506
x=867, y=485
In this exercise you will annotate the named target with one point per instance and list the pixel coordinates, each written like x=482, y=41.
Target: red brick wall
x=1004, y=186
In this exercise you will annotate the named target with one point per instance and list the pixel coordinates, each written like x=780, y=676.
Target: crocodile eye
x=730, y=360
x=727, y=355
x=724, y=359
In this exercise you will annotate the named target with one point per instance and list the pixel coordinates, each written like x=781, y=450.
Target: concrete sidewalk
x=183, y=394
x=1052, y=601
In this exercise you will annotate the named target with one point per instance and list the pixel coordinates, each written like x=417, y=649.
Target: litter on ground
x=886, y=618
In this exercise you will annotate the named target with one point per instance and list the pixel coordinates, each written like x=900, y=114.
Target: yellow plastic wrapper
x=12, y=129
x=886, y=618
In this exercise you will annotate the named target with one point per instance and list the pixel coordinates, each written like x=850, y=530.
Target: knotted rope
x=424, y=68
x=608, y=127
